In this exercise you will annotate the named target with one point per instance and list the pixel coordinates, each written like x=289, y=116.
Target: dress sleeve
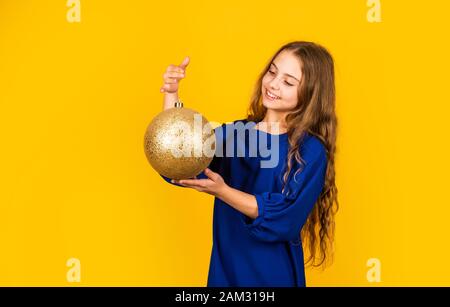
x=281, y=217
x=216, y=164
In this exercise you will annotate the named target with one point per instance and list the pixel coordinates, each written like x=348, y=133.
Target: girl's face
x=281, y=83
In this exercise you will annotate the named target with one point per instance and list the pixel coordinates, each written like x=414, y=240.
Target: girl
x=264, y=216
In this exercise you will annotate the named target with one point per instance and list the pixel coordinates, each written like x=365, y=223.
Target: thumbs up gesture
x=173, y=75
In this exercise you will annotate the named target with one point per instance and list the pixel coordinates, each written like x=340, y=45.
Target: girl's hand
x=173, y=75
x=214, y=185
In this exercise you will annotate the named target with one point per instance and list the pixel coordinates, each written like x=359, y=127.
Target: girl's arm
x=215, y=185
x=241, y=201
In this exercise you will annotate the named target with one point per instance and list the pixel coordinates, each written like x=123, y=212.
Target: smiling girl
x=264, y=217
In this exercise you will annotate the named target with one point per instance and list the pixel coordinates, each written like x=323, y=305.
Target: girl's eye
x=287, y=83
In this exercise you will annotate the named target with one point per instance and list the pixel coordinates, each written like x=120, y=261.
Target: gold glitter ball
x=179, y=143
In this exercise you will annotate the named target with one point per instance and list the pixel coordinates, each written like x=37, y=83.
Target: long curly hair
x=315, y=114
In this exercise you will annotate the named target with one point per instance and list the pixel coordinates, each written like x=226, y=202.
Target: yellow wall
x=75, y=99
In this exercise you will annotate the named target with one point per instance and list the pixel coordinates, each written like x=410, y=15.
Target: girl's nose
x=274, y=83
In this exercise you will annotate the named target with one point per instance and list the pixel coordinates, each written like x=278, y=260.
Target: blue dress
x=266, y=251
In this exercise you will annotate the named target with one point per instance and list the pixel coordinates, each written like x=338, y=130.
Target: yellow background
x=75, y=99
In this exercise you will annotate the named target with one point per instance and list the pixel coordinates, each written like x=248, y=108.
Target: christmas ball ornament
x=179, y=143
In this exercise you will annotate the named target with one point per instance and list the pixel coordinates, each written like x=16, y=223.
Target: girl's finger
x=194, y=182
x=185, y=62
x=170, y=81
x=165, y=87
x=173, y=75
x=189, y=182
x=176, y=69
